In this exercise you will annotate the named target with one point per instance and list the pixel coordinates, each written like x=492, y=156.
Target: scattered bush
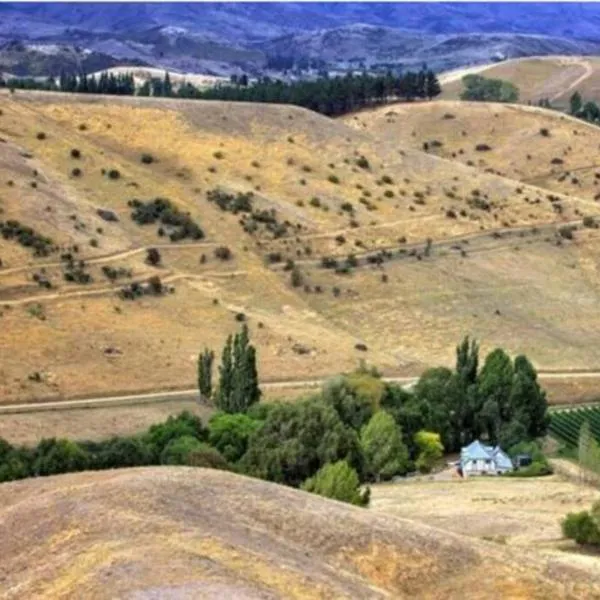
x=153, y=257
x=76, y=172
x=362, y=162
x=333, y=179
x=482, y=148
x=566, y=231
x=179, y=225
x=107, y=215
x=75, y=153
x=147, y=159
x=27, y=237
x=223, y=253
x=41, y=136
x=113, y=174
x=545, y=132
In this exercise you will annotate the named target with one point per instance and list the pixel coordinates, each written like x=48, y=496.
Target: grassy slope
x=425, y=307
x=552, y=77
x=180, y=531
x=519, y=513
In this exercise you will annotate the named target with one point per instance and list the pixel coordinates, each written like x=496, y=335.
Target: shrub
x=107, y=215
x=219, y=155
x=76, y=172
x=296, y=277
x=589, y=221
x=347, y=207
x=362, y=162
x=114, y=174
x=153, y=257
x=274, y=257
x=582, y=528
x=566, y=232
x=338, y=481
x=387, y=180
x=181, y=225
x=545, y=132
x=41, y=136
x=430, y=450
x=315, y=201
x=147, y=159
x=482, y=148
x=557, y=161
x=333, y=179
x=75, y=153
x=223, y=253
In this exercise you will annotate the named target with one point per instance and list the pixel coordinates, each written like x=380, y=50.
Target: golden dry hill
x=188, y=532
x=428, y=248
x=554, y=78
x=533, y=145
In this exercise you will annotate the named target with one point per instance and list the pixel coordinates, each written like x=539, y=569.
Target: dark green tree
x=575, y=103
x=238, y=386
x=297, y=439
x=205, y=366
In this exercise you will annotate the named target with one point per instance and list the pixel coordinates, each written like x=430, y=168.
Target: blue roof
x=476, y=451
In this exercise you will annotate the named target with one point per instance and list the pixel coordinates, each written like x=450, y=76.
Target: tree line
x=329, y=96
x=122, y=84
x=587, y=111
x=357, y=429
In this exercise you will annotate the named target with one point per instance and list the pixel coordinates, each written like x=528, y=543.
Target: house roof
x=476, y=451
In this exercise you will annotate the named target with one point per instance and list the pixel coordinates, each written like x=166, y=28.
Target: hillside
x=554, y=78
x=529, y=144
x=312, y=197
x=183, y=532
x=358, y=44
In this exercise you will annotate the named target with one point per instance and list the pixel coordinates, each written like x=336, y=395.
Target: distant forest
x=328, y=96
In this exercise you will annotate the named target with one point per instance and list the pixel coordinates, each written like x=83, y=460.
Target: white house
x=479, y=459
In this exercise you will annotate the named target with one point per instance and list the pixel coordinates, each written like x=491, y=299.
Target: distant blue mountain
x=256, y=21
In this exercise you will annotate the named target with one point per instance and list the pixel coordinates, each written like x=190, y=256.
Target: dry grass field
x=185, y=532
x=491, y=268
x=553, y=77
x=529, y=144
x=512, y=512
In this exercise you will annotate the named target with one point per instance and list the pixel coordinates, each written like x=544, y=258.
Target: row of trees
x=330, y=96
x=588, y=111
x=107, y=83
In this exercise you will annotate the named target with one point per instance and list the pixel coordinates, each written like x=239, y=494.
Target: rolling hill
x=398, y=253
x=188, y=532
x=554, y=78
